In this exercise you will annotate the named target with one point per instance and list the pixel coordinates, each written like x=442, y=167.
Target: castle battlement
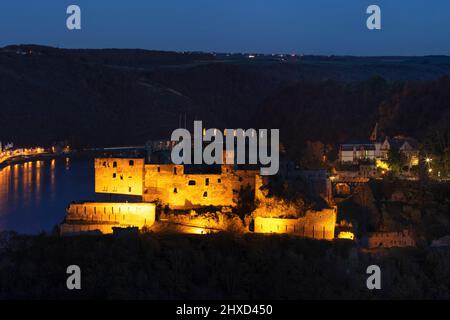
x=315, y=224
x=169, y=184
x=181, y=187
x=104, y=216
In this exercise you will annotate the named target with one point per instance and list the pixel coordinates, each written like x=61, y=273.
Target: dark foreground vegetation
x=221, y=266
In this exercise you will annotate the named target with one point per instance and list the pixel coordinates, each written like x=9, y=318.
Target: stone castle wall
x=119, y=176
x=108, y=215
x=95, y=228
x=315, y=224
x=391, y=239
x=169, y=184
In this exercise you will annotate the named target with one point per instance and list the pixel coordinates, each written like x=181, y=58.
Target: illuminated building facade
x=170, y=184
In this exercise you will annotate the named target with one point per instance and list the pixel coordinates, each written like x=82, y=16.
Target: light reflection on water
x=35, y=194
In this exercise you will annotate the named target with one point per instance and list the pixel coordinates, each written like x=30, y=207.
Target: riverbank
x=74, y=154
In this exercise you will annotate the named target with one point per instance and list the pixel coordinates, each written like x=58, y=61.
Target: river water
x=35, y=194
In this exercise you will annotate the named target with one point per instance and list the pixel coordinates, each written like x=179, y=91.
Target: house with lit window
x=353, y=153
x=409, y=147
x=377, y=148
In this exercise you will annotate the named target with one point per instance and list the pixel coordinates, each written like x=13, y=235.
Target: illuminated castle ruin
x=186, y=189
x=169, y=184
x=104, y=216
x=316, y=225
x=177, y=187
x=119, y=176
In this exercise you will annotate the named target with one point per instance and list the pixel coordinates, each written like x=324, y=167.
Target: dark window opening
x=131, y=163
x=191, y=182
x=207, y=181
x=219, y=180
x=129, y=189
x=114, y=164
x=205, y=194
x=175, y=190
x=114, y=175
x=158, y=169
x=175, y=170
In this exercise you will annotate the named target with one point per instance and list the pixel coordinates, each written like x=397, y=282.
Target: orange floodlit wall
x=348, y=235
x=169, y=185
x=88, y=216
x=119, y=176
x=315, y=224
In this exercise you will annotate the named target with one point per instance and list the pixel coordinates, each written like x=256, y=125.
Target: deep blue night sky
x=413, y=27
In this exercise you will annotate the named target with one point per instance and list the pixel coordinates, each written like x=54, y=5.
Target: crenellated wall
x=108, y=215
x=169, y=184
x=315, y=224
x=119, y=176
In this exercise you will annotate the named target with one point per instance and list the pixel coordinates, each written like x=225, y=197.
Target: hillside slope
x=114, y=97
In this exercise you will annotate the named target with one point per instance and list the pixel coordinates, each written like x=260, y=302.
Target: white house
x=357, y=152
x=378, y=149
